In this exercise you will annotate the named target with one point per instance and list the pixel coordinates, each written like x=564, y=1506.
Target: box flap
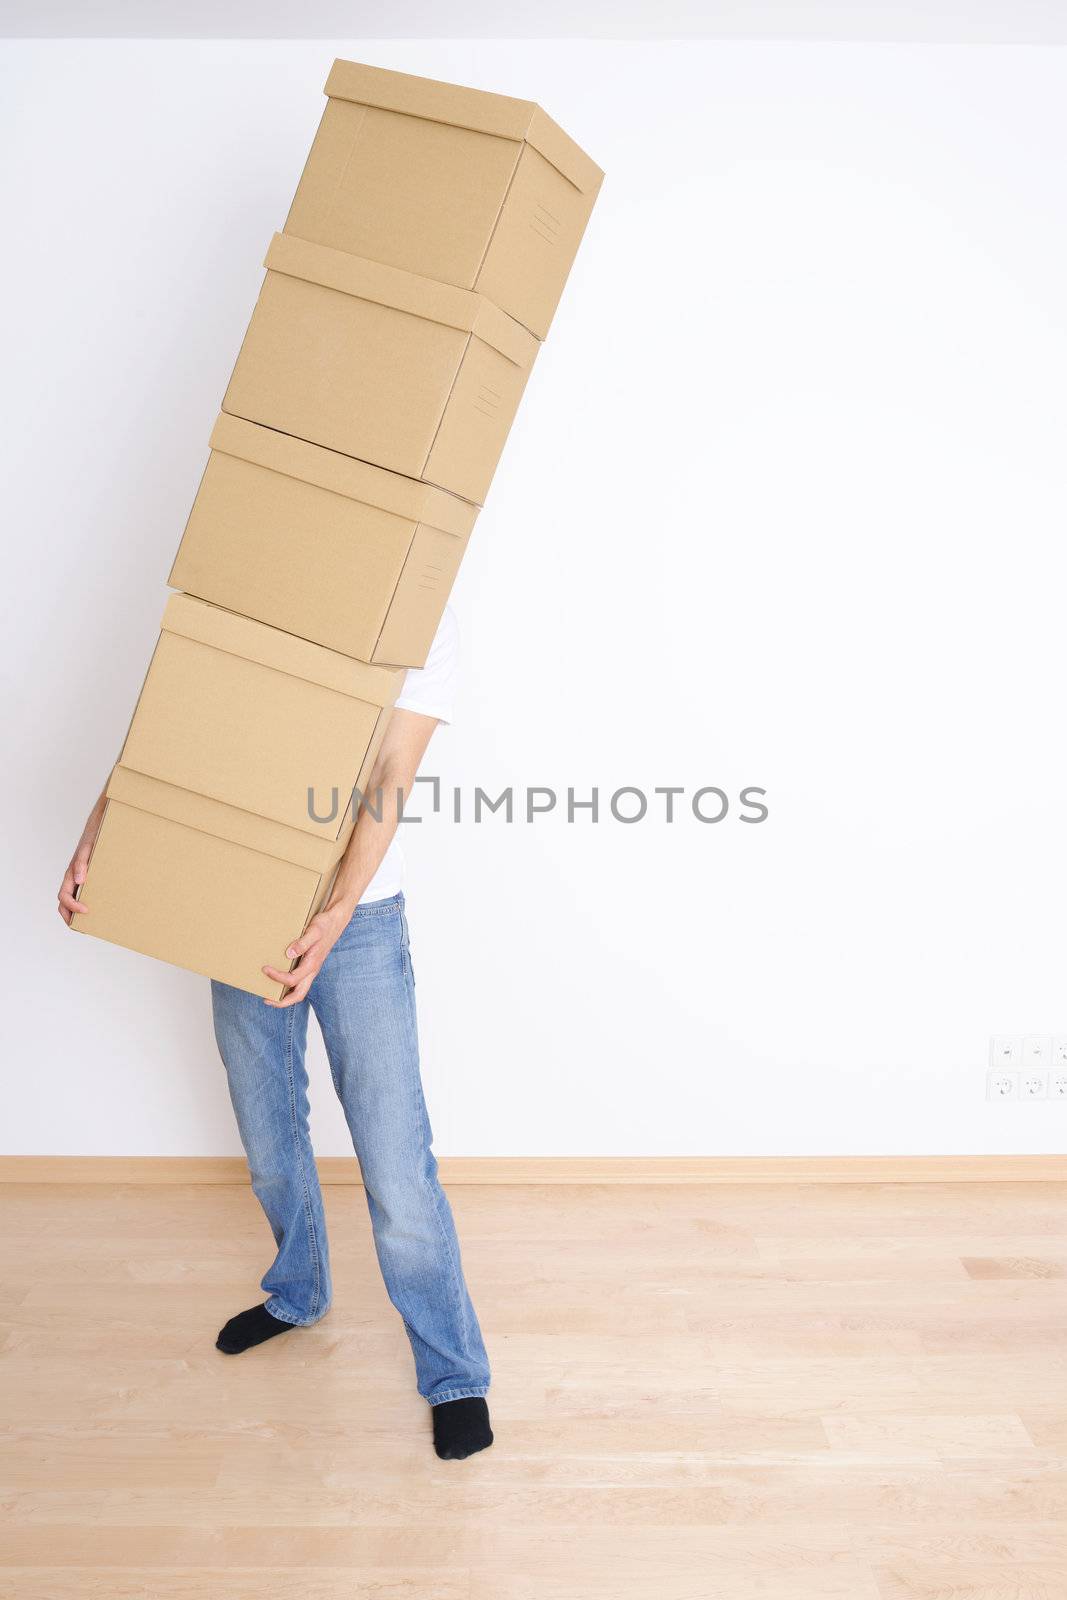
x=462, y=309
x=514, y=341
x=560, y=150
x=284, y=652
x=371, y=280
x=224, y=822
x=497, y=114
x=343, y=475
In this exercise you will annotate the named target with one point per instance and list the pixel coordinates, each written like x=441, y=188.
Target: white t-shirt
x=431, y=691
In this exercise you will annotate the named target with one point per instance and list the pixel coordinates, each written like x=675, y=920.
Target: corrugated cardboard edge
x=342, y=475
x=283, y=652
x=507, y=336
x=561, y=152
x=372, y=280
x=462, y=309
x=477, y=109
x=181, y=542
x=405, y=578
x=232, y=823
x=107, y=790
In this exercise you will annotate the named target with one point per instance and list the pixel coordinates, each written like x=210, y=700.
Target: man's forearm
x=406, y=738
x=370, y=839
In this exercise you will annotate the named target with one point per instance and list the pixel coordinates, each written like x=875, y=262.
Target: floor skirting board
x=566, y=1169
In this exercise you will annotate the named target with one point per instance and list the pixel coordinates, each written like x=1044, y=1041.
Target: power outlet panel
x=1029, y=1066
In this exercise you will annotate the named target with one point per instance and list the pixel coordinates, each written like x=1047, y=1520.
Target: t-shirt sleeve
x=431, y=690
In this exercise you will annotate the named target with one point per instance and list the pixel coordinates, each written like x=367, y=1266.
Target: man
x=353, y=969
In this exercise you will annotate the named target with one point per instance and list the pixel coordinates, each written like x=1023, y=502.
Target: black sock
x=249, y=1328
x=461, y=1428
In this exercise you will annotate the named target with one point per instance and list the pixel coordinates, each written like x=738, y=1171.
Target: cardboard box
x=473, y=189
x=410, y=375
x=351, y=556
x=213, y=854
x=255, y=718
x=202, y=885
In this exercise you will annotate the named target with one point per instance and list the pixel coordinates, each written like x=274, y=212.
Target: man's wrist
x=342, y=904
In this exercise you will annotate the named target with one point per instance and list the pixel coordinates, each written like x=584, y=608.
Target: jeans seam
x=405, y=951
x=387, y=909
x=308, y=1218
x=456, y=1274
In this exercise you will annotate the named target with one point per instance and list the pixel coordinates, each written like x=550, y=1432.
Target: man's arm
x=403, y=748
x=74, y=876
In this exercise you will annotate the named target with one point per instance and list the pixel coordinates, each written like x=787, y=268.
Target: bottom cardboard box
x=200, y=884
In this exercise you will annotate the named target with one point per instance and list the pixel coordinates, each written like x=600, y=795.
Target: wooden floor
x=790, y=1393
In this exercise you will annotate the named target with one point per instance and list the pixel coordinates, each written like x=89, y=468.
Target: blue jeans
x=364, y=999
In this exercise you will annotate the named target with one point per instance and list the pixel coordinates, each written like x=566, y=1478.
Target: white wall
x=784, y=506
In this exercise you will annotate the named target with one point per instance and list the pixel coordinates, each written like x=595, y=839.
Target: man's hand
x=402, y=749
x=312, y=948
x=74, y=876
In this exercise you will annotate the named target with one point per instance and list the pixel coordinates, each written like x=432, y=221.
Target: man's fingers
x=293, y=998
x=305, y=973
x=288, y=979
x=69, y=907
x=81, y=867
x=299, y=981
x=302, y=945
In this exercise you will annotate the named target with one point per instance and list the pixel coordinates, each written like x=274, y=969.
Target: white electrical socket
x=1033, y=1067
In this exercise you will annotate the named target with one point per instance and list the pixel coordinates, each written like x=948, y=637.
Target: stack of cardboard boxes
x=403, y=306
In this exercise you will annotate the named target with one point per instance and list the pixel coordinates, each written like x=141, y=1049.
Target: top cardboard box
x=472, y=189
